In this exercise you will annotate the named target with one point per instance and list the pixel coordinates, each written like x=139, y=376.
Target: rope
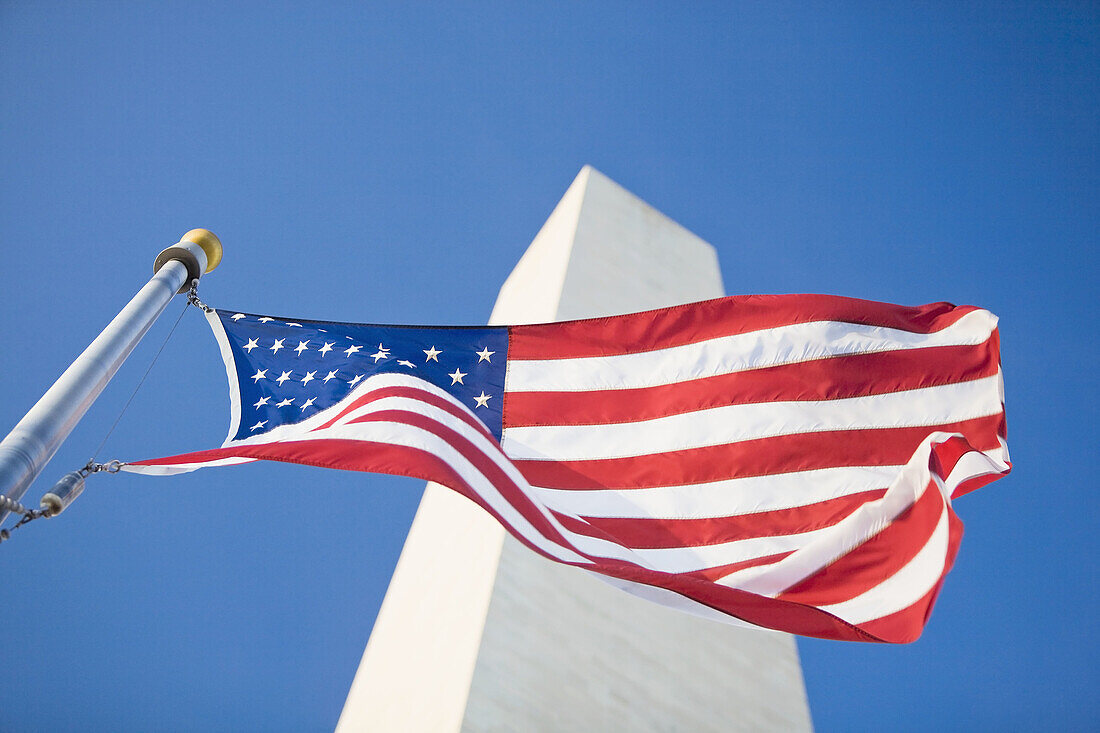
x=142, y=381
x=192, y=299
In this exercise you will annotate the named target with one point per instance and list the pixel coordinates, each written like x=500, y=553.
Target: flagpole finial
x=210, y=244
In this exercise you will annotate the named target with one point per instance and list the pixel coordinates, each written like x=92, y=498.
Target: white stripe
x=847, y=534
x=688, y=559
x=721, y=498
x=903, y=588
x=176, y=468
x=753, y=350
x=734, y=423
x=976, y=464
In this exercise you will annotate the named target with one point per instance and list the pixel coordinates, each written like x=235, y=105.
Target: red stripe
x=657, y=533
x=906, y=625
x=201, y=456
x=721, y=571
x=821, y=379
x=875, y=560
x=948, y=454
x=686, y=324
x=781, y=454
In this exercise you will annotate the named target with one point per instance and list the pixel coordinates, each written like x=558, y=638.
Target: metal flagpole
x=32, y=443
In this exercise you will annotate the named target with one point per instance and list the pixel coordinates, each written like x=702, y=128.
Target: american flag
x=786, y=462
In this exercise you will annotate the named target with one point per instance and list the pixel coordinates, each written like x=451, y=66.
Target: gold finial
x=210, y=244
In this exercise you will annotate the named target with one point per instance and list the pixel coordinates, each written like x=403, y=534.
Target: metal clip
x=110, y=467
x=193, y=297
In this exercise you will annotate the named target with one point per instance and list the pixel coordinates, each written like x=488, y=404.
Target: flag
x=786, y=461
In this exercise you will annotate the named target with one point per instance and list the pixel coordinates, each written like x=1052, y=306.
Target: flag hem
x=230, y=373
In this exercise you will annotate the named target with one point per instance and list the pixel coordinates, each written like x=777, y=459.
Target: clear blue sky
x=390, y=164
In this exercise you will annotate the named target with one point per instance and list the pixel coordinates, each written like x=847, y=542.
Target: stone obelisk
x=478, y=633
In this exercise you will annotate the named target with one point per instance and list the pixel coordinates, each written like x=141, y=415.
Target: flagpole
x=32, y=443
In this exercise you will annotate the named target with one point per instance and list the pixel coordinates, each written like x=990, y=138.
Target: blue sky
x=389, y=163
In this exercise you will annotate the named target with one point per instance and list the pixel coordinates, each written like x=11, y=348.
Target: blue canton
x=289, y=369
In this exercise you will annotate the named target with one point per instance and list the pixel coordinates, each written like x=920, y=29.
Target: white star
x=308, y=378
x=484, y=355
x=456, y=377
x=326, y=348
x=259, y=425
x=266, y=319
x=302, y=346
x=408, y=364
x=382, y=353
x=355, y=381
x=285, y=402
x=278, y=345
x=260, y=374
x=294, y=325
x=263, y=401
x=433, y=354
x=250, y=345
x=330, y=375
x=237, y=316
x=352, y=350
x=282, y=378
x=482, y=400
x=309, y=403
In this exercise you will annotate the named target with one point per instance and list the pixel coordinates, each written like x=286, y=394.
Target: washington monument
x=478, y=633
